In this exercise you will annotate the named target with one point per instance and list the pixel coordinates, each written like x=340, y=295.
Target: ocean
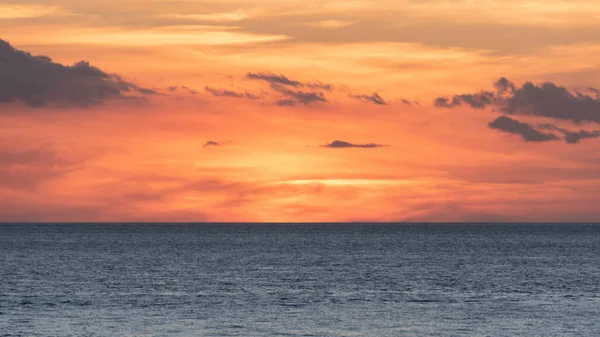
x=299, y=280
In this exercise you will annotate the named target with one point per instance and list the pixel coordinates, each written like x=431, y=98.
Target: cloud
x=526, y=131
x=286, y=102
x=503, y=85
x=476, y=101
x=274, y=79
x=373, y=98
x=184, y=88
x=572, y=137
x=27, y=169
x=545, y=100
x=40, y=82
x=338, y=144
x=295, y=97
x=229, y=93
x=211, y=143
x=320, y=85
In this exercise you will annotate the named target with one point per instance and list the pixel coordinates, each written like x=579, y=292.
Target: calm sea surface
x=299, y=280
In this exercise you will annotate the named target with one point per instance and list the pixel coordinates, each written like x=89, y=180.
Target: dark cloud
x=477, y=101
x=503, y=85
x=338, y=144
x=546, y=100
x=526, y=131
x=40, y=82
x=550, y=100
x=407, y=102
x=229, y=93
x=211, y=143
x=274, y=79
x=576, y=137
x=373, y=98
x=295, y=97
x=572, y=137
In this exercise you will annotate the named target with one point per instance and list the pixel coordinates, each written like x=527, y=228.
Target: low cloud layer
x=28, y=169
x=39, y=82
x=338, y=144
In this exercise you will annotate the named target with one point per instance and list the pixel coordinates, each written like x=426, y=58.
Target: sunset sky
x=281, y=110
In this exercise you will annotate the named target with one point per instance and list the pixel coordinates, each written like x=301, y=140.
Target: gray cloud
x=476, y=101
x=286, y=102
x=572, y=137
x=229, y=93
x=526, y=131
x=211, y=143
x=338, y=144
x=546, y=100
x=373, y=98
x=40, y=82
x=295, y=97
x=320, y=85
x=274, y=79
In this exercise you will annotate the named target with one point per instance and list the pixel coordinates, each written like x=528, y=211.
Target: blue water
x=299, y=280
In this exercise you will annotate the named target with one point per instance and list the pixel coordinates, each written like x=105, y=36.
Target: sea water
x=299, y=280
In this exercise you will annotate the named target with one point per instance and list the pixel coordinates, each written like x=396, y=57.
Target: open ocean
x=299, y=280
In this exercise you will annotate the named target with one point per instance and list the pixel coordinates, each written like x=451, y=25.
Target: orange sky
x=270, y=83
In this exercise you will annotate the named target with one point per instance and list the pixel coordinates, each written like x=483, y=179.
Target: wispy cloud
x=183, y=88
x=295, y=97
x=274, y=79
x=27, y=11
x=230, y=93
x=373, y=98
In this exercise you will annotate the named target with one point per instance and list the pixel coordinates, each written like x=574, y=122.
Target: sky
x=302, y=111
